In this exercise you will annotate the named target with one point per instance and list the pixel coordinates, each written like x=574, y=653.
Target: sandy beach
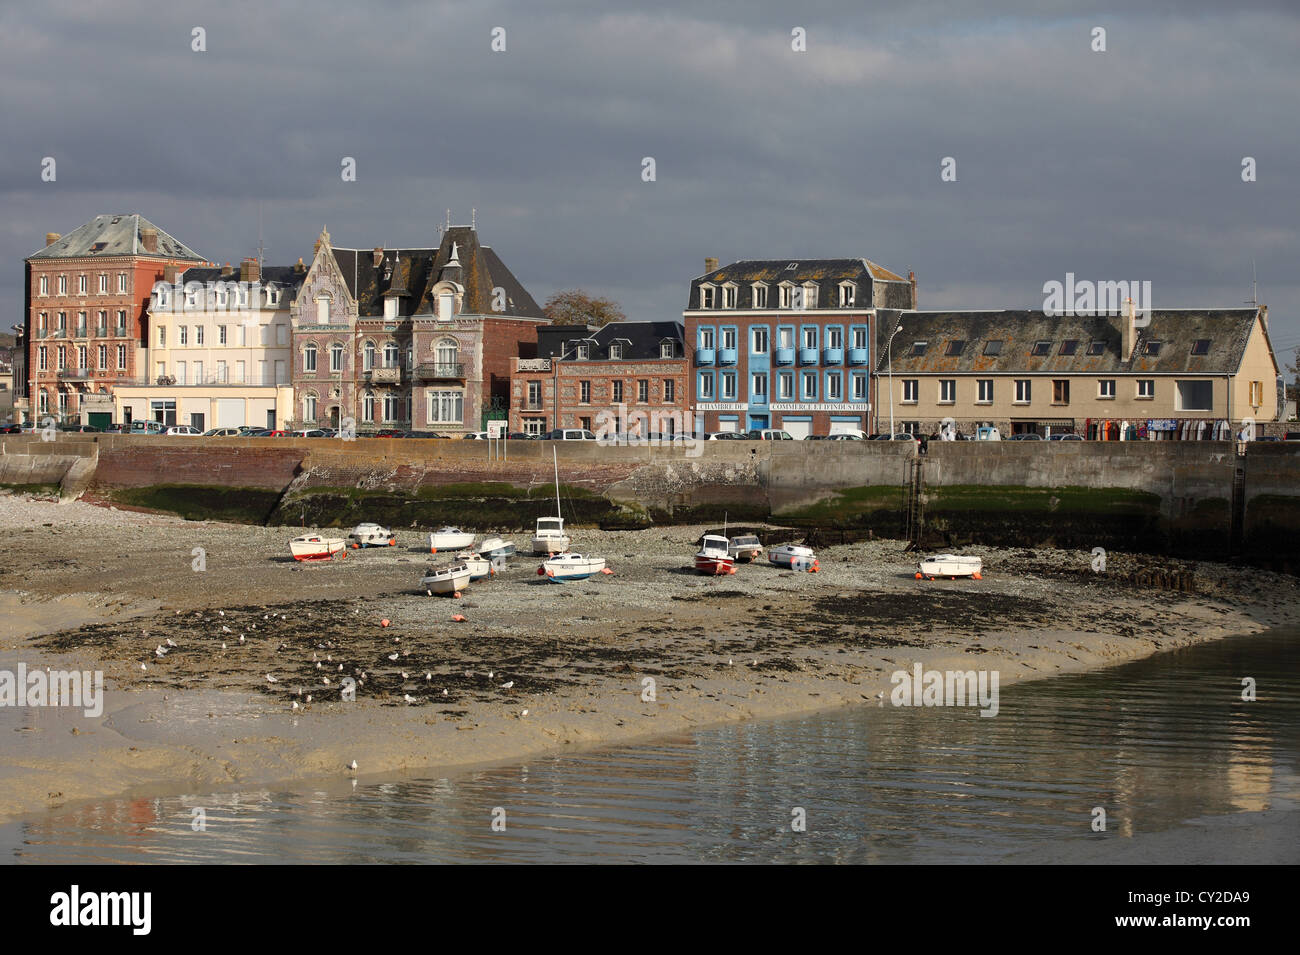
x=533, y=668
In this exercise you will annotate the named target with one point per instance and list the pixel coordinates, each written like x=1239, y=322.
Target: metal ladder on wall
x=914, y=509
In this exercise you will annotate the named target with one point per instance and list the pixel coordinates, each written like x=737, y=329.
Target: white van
x=771, y=434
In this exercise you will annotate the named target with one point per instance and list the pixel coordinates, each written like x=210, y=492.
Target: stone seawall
x=1196, y=498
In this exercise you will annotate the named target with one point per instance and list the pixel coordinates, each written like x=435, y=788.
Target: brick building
x=622, y=378
x=87, y=297
x=419, y=339
x=788, y=344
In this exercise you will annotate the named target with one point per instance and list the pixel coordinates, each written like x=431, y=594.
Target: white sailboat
x=449, y=580
x=316, y=547
x=550, y=537
x=569, y=566
x=449, y=538
x=951, y=565
x=479, y=566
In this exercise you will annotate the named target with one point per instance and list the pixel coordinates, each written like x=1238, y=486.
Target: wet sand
x=97, y=588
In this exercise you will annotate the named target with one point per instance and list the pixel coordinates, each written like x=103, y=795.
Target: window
x=666, y=349
x=121, y=281
x=43, y=358
x=918, y=349
x=1023, y=391
x=1195, y=395
x=1256, y=393
x=162, y=336
x=729, y=386
x=758, y=387
x=706, y=338
x=103, y=357
x=1152, y=348
x=859, y=387
x=835, y=337
x=45, y=285
x=911, y=388
x=582, y=352
x=390, y=406
x=984, y=391
x=309, y=408
x=760, y=296
x=1041, y=348
x=728, y=339
x=180, y=372
x=706, y=386
x=448, y=351
x=182, y=335
x=1146, y=388
x=835, y=387
x=787, y=295
x=336, y=358
x=847, y=292
x=1060, y=391
x=643, y=390
x=221, y=334
x=809, y=296
x=785, y=337
x=63, y=358
x=368, y=359
x=121, y=357
x=81, y=285
x=1106, y=388
x=955, y=347
x=759, y=335
x=947, y=391
x=859, y=337
x=390, y=356
x=81, y=357
x=584, y=392
x=101, y=324
x=63, y=322
x=198, y=334
x=309, y=358
x=809, y=337
x=1069, y=346
x=121, y=321
x=729, y=296
x=785, y=386
x=81, y=324
x=708, y=296
x=63, y=285
x=670, y=391
x=322, y=310
x=368, y=408
x=616, y=389
x=615, y=350
x=103, y=283
x=1201, y=346
x=810, y=385
x=534, y=395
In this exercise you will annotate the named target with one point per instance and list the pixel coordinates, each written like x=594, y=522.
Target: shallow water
x=1183, y=767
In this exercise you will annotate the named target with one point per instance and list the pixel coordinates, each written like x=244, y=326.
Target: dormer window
x=615, y=350
x=665, y=349
x=729, y=296
x=787, y=295
x=848, y=291
x=446, y=303
x=708, y=296
x=390, y=308
x=760, y=295
x=582, y=352
x=272, y=295
x=809, y=295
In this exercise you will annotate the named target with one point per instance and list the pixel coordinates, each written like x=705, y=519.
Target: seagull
x=223, y=646
x=491, y=674
x=353, y=766
x=171, y=642
x=444, y=692
x=224, y=628
x=160, y=651
x=143, y=666
x=404, y=676
x=241, y=638
x=221, y=613
x=308, y=697
x=327, y=681
x=328, y=658
x=271, y=679
x=408, y=698
x=317, y=664
x=507, y=685
x=295, y=704
x=340, y=667
x=428, y=676
x=524, y=713
x=392, y=656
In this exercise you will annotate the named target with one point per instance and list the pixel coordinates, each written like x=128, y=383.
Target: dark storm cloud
x=1123, y=164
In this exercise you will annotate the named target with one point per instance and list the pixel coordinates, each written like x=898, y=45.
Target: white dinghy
x=448, y=580
x=951, y=565
x=795, y=557
x=571, y=567
x=449, y=538
x=316, y=547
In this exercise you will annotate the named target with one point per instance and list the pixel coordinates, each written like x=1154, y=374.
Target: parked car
x=308, y=433
x=521, y=436
x=1027, y=436
x=1065, y=437
x=847, y=436
x=770, y=434
x=147, y=427
x=184, y=430
x=11, y=429
x=390, y=433
x=80, y=429
x=562, y=434
x=223, y=433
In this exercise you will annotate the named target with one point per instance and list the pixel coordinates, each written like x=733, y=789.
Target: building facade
x=788, y=344
x=219, y=352
x=1188, y=373
x=409, y=339
x=87, y=294
x=622, y=378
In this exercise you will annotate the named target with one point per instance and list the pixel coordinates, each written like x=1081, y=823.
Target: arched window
x=309, y=357
x=368, y=407
x=309, y=407
x=390, y=406
x=390, y=354
x=448, y=352
x=336, y=357
x=368, y=356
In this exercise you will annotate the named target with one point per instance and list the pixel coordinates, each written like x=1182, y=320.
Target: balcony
x=383, y=376
x=785, y=356
x=807, y=356
x=857, y=356
x=75, y=374
x=726, y=356
x=704, y=356
x=434, y=370
x=832, y=356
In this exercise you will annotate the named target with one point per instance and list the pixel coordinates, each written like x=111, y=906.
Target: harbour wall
x=1199, y=499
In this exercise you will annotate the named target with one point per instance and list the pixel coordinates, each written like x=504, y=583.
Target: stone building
x=87, y=294
x=409, y=339
x=781, y=343
x=622, y=378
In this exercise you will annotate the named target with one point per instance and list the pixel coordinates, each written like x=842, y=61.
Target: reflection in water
x=1155, y=743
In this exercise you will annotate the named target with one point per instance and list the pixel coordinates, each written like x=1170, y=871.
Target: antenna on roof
x=261, y=248
x=1254, y=286
x=473, y=218
x=448, y=218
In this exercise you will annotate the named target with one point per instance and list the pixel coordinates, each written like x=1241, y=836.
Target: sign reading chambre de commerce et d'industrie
x=789, y=406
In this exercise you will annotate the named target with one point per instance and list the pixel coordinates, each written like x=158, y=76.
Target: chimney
x=315, y=248
x=250, y=270
x=174, y=273
x=378, y=254
x=227, y=271
x=710, y=265
x=911, y=278
x=299, y=266
x=149, y=239
x=1128, y=340
x=52, y=237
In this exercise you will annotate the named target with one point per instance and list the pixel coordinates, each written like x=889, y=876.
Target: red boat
x=713, y=558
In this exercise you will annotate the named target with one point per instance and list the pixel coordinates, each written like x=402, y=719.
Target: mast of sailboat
x=555, y=461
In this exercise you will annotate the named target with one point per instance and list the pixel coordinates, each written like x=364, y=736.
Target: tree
x=576, y=307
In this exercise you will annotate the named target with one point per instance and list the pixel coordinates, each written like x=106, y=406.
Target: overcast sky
x=1123, y=164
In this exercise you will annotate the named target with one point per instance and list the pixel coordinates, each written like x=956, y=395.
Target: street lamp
x=889, y=357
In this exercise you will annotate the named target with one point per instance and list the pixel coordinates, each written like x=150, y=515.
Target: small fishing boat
x=951, y=565
x=496, y=547
x=744, y=548
x=449, y=579
x=794, y=556
x=713, y=556
x=316, y=547
x=571, y=567
x=449, y=538
x=479, y=566
x=550, y=537
x=372, y=535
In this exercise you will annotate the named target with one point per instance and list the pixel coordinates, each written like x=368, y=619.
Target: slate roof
x=415, y=272
x=642, y=339
x=1177, y=330
x=285, y=277
x=827, y=273
x=115, y=235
